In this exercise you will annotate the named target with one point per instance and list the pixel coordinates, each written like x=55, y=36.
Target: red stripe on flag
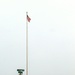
x=28, y=18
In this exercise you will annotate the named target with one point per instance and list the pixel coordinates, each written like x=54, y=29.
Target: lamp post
x=20, y=71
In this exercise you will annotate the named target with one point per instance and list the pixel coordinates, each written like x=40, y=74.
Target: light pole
x=20, y=71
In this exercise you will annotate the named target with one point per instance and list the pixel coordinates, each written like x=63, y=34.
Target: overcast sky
x=51, y=36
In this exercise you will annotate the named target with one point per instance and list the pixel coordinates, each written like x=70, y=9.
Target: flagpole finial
x=26, y=12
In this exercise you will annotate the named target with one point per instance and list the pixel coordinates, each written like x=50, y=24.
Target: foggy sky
x=51, y=36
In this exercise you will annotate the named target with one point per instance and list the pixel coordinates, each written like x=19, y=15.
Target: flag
x=28, y=18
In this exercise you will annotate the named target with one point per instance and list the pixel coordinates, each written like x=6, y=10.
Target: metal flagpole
x=26, y=44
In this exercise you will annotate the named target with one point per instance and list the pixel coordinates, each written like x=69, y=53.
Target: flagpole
x=26, y=44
